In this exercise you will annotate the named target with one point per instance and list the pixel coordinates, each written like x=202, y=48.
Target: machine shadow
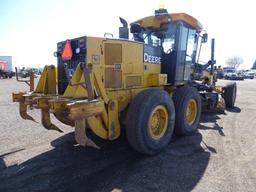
x=234, y=110
x=211, y=118
x=116, y=166
x=2, y=164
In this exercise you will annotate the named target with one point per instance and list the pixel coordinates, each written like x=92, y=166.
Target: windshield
x=230, y=71
x=152, y=37
x=162, y=37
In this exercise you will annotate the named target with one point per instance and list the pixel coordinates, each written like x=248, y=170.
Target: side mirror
x=135, y=28
x=204, y=38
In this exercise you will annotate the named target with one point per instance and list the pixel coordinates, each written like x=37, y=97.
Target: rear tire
x=230, y=94
x=150, y=121
x=188, y=104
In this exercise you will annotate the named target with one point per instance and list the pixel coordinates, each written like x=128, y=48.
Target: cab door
x=187, y=47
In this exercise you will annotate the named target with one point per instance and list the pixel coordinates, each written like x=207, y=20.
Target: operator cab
x=174, y=39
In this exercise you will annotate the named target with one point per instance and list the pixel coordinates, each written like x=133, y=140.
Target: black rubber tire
x=230, y=94
x=181, y=98
x=137, y=121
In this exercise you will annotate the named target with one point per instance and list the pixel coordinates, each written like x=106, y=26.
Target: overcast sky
x=30, y=29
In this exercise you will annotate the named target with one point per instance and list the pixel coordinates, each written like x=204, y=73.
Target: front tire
x=150, y=121
x=230, y=94
x=188, y=104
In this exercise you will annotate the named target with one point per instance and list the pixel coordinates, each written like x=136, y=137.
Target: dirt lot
x=220, y=157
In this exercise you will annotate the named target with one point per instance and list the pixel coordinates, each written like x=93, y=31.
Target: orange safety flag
x=67, y=51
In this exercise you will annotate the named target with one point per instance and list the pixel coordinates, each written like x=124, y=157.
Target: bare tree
x=234, y=61
x=254, y=65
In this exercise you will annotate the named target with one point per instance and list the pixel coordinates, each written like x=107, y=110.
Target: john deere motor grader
x=152, y=84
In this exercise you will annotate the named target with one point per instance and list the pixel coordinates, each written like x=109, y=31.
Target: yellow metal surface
x=75, y=88
x=97, y=126
x=191, y=111
x=46, y=121
x=158, y=122
x=221, y=106
x=133, y=81
x=83, y=109
x=58, y=105
x=219, y=89
x=95, y=48
x=30, y=98
x=156, y=21
x=207, y=77
x=113, y=121
x=23, y=112
x=100, y=87
x=157, y=79
x=42, y=81
x=17, y=96
x=51, y=80
x=112, y=53
x=150, y=71
x=124, y=97
x=63, y=118
x=132, y=58
x=80, y=134
x=47, y=82
x=120, y=67
x=162, y=79
x=113, y=65
x=23, y=107
x=113, y=78
x=152, y=68
x=42, y=102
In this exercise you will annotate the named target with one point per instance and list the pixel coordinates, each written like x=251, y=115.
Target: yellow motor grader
x=152, y=85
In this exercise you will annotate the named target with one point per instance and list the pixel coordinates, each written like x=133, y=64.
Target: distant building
x=6, y=63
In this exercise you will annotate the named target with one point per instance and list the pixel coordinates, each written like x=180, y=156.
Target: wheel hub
x=191, y=111
x=158, y=122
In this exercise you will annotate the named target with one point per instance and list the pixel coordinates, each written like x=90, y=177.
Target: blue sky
x=30, y=29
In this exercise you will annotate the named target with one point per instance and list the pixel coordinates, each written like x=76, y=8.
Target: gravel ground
x=220, y=157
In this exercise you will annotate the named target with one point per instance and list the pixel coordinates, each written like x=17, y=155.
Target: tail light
x=81, y=43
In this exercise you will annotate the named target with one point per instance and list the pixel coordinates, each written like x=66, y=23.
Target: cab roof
x=156, y=21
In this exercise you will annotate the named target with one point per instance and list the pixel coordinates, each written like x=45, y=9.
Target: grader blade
x=46, y=121
x=80, y=134
x=23, y=112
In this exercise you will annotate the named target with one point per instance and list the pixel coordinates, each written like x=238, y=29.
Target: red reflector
x=67, y=51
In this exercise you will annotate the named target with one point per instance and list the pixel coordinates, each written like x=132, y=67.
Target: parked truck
x=6, y=68
x=232, y=74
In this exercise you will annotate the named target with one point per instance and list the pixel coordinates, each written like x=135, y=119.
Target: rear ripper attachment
x=154, y=83
x=84, y=103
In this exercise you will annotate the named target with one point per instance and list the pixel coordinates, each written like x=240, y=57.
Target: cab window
x=169, y=38
x=191, y=46
x=152, y=38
